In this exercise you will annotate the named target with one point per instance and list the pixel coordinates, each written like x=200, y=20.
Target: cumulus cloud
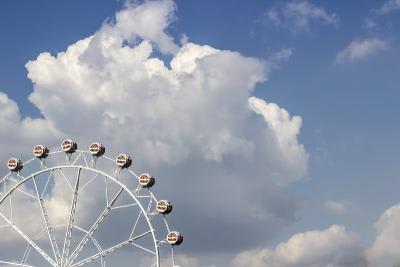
x=191, y=261
x=299, y=16
x=220, y=154
x=148, y=21
x=20, y=133
x=360, y=49
x=384, y=249
x=284, y=128
x=183, y=261
x=333, y=247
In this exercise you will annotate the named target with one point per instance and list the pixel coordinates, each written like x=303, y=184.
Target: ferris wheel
x=72, y=207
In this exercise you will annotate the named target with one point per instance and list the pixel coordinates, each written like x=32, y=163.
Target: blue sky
x=349, y=107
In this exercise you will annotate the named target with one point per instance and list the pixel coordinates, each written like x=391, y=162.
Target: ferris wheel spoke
x=173, y=255
x=149, y=206
x=11, y=208
x=155, y=212
x=106, y=188
x=20, y=190
x=95, y=242
x=125, y=206
x=2, y=183
x=3, y=187
x=88, y=182
x=26, y=254
x=143, y=196
x=66, y=180
x=136, y=223
x=68, y=234
x=77, y=158
x=5, y=177
x=21, y=177
x=15, y=264
x=94, y=227
x=28, y=194
x=109, y=250
x=143, y=248
x=30, y=241
x=47, y=183
x=85, y=160
x=45, y=217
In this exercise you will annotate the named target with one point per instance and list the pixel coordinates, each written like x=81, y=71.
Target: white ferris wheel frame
x=60, y=261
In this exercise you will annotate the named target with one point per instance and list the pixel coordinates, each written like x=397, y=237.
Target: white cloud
x=385, y=247
x=273, y=16
x=370, y=23
x=388, y=7
x=360, y=49
x=284, y=128
x=298, y=16
x=147, y=21
x=333, y=247
x=175, y=97
x=20, y=133
x=194, y=125
x=335, y=206
x=184, y=261
x=280, y=57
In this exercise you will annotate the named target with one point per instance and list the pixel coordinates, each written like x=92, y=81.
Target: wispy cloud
x=298, y=16
x=280, y=57
x=389, y=7
x=335, y=206
x=360, y=49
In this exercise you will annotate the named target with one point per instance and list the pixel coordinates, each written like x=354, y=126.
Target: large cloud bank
x=219, y=153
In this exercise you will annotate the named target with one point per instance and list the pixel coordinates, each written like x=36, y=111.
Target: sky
x=277, y=120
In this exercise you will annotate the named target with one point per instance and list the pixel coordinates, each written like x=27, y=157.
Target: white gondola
x=69, y=146
x=97, y=149
x=15, y=164
x=164, y=207
x=174, y=238
x=146, y=180
x=40, y=151
x=123, y=161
